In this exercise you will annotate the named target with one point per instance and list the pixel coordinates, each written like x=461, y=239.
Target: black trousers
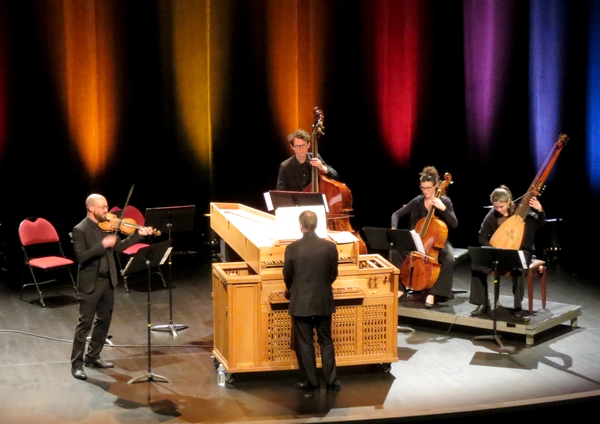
x=95, y=314
x=479, y=286
x=305, y=349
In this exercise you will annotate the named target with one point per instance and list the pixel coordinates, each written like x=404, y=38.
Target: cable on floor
x=106, y=344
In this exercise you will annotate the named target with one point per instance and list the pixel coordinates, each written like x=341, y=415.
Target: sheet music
x=418, y=242
x=167, y=253
x=523, y=260
x=288, y=227
x=268, y=201
x=343, y=237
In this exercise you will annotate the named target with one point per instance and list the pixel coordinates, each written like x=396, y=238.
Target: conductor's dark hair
x=308, y=220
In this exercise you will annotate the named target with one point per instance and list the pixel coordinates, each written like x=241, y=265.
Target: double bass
x=338, y=195
x=420, y=271
x=510, y=234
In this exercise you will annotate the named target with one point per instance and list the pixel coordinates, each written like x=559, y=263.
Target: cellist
x=295, y=172
x=417, y=209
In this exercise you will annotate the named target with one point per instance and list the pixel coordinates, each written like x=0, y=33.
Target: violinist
x=417, y=209
x=96, y=278
x=504, y=207
x=295, y=173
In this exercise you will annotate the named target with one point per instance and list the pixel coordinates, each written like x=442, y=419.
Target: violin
x=127, y=226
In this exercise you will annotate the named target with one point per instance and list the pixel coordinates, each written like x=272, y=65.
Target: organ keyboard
x=338, y=293
x=252, y=234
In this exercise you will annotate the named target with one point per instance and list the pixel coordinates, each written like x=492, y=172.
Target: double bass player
x=308, y=172
x=295, y=173
x=417, y=209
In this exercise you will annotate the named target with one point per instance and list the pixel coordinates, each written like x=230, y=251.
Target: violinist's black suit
x=96, y=278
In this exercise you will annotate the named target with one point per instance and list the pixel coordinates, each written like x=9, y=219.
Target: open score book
x=418, y=242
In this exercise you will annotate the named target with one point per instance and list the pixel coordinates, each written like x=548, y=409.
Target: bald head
x=95, y=200
x=96, y=207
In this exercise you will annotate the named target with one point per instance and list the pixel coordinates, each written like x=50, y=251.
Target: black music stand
x=401, y=240
x=388, y=239
x=289, y=204
x=280, y=199
x=148, y=258
x=171, y=219
x=498, y=260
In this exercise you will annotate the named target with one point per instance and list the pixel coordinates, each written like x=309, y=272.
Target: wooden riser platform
x=457, y=311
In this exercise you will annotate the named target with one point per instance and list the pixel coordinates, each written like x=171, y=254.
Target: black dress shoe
x=518, y=313
x=480, y=310
x=98, y=363
x=78, y=373
x=334, y=387
x=306, y=386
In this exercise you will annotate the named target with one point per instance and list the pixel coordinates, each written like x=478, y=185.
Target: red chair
x=537, y=268
x=43, y=254
x=135, y=214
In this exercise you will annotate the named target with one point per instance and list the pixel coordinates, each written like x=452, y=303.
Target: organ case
x=252, y=327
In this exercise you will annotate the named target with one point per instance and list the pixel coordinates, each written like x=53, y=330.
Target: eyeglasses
x=426, y=188
x=300, y=146
x=100, y=207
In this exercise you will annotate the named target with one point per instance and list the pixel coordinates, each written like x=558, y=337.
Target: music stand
x=171, y=219
x=498, y=260
x=289, y=204
x=148, y=258
x=388, y=239
x=280, y=199
x=405, y=241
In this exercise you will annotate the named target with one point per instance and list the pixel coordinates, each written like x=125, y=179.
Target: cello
x=510, y=234
x=420, y=271
x=338, y=195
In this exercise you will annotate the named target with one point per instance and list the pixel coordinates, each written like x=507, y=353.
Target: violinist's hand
x=145, y=231
x=319, y=165
x=534, y=203
x=438, y=203
x=109, y=241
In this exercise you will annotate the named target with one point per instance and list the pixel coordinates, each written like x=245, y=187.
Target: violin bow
x=124, y=209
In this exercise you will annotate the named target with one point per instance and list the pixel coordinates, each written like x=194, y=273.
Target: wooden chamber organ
x=252, y=327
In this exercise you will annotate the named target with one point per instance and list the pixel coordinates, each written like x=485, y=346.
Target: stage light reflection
x=593, y=99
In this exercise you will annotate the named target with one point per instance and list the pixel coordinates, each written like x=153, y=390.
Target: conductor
x=310, y=268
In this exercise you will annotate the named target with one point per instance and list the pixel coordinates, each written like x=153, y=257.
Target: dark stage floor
x=442, y=373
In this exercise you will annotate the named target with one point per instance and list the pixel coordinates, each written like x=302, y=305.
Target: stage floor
x=442, y=372
x=458, y=311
